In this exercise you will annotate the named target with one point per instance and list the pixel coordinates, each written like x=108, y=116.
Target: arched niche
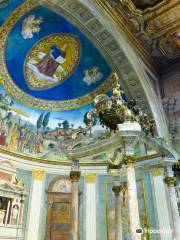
x=58, y=220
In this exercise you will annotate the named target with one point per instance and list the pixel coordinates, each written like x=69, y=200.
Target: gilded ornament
x=116, y=190
x=157, y=172
x=38, y=175
x=75, y=175
x=90, y=178
x=129, y=161
x=113, y=111
x=169, y=181
x=67, y=48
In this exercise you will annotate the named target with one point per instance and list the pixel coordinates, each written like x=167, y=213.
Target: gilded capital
x=90, y=178
x=116, y=190
x=169, y=181
x=75, y=175
x=129, y=161
x=157, y=172
x=38, y=175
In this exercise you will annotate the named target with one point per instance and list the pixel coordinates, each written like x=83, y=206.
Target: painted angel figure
x=92, y=75
x=31, y=25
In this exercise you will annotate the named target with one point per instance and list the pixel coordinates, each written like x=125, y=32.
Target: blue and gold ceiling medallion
x=51, y=61
x=48, y=63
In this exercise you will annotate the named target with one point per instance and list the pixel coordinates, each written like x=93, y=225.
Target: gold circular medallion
x=51, y=61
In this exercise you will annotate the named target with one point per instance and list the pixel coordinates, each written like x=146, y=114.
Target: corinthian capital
x=75, y=175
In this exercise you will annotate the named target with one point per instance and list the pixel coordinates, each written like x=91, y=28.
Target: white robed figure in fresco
x=92, y=75
x=31, y=25
x=50, y=63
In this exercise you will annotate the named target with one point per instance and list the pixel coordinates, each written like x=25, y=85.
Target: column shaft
x=90, y=188
x=21, y=213
x=35, y=205
x=174, y=206
x=7, y=212
x=74, y=175
x=165, y=231
x=133, y=201
x=116, y=190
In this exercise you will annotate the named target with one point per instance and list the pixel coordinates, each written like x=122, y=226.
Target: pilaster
x=90, y=189
x=35, y=205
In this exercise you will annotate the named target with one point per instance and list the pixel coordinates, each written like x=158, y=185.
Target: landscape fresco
x=39, y=133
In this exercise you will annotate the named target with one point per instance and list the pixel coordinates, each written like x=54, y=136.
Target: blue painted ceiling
x=17, y=49
x=29, y=42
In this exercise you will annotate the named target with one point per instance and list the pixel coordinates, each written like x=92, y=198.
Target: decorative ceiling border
x=129, y=79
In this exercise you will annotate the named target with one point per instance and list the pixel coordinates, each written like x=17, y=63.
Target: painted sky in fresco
x=17, y=49
x=7, y=7
x=74, y=116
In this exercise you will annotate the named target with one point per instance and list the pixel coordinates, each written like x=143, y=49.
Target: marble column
x=116, y=190
x=8, y=212
x=21, y=211
x=132, y=199
x=74, y=176
x=174, y=207
x=161, y=204
x=35, y=205
x=90, y=190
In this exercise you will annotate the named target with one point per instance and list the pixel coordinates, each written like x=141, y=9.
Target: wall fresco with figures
x=50, y=71
x=37, y=133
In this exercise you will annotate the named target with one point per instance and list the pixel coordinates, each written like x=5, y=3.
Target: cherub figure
x=30, y=26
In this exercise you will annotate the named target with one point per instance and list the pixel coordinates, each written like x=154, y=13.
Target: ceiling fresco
x=50, y=71
x=51, y=60
x=145, y=3
x=52, y=65
x=153, y=27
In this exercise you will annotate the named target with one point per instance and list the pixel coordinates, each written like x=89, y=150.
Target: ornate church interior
x=89, y=120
